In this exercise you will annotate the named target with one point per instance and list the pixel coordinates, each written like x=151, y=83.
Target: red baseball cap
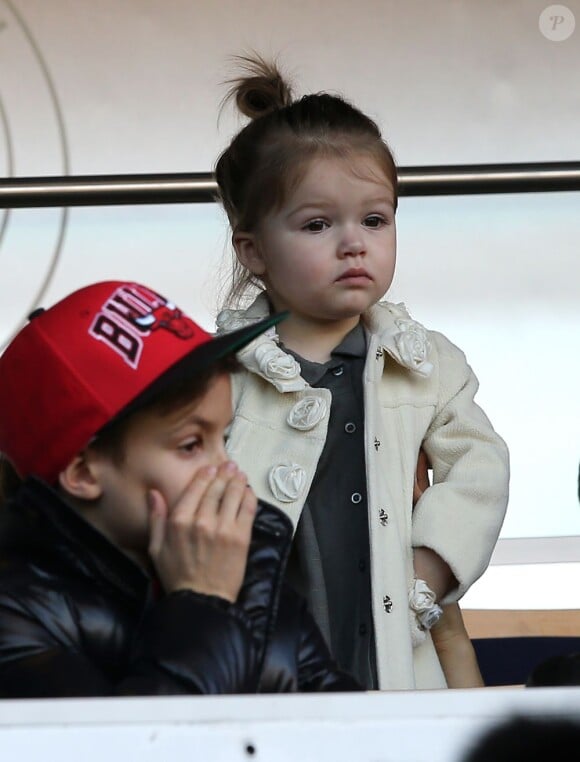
x=103, y=349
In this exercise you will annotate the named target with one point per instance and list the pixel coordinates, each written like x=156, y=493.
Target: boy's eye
x=191, y=445
x=315, y=226
x=374, y=221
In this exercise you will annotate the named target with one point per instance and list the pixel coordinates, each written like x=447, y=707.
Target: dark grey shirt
x=330, y=563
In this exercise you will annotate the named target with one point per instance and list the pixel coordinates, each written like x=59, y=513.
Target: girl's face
x=329, y=253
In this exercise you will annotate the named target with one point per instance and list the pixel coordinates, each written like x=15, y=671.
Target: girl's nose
x=351, y=243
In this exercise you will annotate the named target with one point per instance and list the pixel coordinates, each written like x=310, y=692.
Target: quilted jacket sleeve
x=190, y=643
x=317, y=671
x=186, y=644
x=297, y=641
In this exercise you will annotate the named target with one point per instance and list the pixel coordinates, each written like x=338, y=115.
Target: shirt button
x=350, y=427
x=362, y=565
x=338, y=371
x=356, y=497
x=362, y=629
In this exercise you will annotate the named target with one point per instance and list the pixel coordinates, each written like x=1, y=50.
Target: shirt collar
x=352, y=345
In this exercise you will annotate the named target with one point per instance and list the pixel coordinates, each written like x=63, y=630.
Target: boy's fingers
x=233, y=496
x=216, y=489
x=157, y=521
x=248, y=509
x=192, y=496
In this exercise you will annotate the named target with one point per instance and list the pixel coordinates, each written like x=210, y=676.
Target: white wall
x=113, y=87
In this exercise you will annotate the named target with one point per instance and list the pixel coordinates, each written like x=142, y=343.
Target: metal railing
x=200, y=187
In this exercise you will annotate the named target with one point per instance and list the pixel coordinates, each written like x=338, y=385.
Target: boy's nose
x=220, y=454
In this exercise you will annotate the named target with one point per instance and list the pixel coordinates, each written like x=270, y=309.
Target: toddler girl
x=335, y=405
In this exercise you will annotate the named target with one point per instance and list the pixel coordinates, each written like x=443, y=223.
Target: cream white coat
x=418, y=391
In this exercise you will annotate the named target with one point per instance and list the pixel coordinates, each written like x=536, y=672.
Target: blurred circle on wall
x=32, y=144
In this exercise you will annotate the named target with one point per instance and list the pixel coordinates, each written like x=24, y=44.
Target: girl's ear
x=249, y=252
x=80, y=479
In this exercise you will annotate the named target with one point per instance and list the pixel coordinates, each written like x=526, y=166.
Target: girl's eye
x=374, y=221
x=315, y=226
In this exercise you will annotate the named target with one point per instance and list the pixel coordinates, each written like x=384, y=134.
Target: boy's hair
x=96, y=356
x=269, y=156
x=111, y=439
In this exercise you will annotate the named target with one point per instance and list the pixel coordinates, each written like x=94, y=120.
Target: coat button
x=287, y=481
x=356, y=497
x=350, y=427
x=338, y=371
x=306, y=413
x=387, y=604
x=383, y=517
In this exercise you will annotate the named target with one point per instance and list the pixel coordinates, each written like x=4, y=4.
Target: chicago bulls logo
x=131, y=314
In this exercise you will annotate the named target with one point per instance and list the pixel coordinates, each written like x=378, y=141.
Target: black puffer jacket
x=79, y=618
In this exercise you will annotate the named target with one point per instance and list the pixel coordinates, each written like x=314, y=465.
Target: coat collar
x=46, y=527
x=401, y=337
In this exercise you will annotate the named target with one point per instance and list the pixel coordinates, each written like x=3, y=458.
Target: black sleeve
x=317, y=670
x=193, y=643
x=186, y=644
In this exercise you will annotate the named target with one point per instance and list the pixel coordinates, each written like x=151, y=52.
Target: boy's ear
x=249, y=252
x=79, y=478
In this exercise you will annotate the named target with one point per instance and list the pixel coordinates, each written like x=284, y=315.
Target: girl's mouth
x=355, y=275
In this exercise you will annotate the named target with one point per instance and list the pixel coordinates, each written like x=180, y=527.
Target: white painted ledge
x=433, y=726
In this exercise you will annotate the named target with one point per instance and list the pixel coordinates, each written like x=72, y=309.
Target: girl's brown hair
x=267, y=158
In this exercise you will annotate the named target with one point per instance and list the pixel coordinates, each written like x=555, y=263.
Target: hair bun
x=261, y=90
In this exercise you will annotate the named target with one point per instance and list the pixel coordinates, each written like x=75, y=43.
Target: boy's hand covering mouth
x=202, y=543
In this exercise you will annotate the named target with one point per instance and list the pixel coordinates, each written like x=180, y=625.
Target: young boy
x=135, y=559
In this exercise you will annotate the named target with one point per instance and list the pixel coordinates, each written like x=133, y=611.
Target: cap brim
x=201, y=358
